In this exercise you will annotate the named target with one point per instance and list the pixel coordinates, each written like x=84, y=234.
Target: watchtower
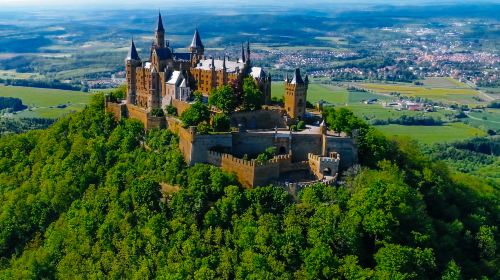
x=296, y=95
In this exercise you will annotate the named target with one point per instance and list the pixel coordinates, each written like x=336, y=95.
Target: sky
x=134, y=4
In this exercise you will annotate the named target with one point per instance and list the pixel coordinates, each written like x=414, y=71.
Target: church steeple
x=159, y=33
x=159, y=25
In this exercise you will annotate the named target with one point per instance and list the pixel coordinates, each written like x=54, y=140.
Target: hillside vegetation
x=82, y=199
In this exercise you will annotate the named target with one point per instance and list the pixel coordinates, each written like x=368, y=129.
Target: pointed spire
x=248, y=49
x=196, y=42
x=243, y=53
x=297, y=79
x=224, y=63
x=213, y=64
x=286, y=78
x=159, y=26
x=306, y=79
x=132, y=53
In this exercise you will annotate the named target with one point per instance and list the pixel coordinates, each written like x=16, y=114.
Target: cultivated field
x=438, y=90
x=340, y=97
x=43, y=103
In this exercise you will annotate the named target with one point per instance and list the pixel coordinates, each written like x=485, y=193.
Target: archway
x=327, y=171
x=282, y=151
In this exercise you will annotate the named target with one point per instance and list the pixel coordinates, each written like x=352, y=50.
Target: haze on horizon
x=131, y=4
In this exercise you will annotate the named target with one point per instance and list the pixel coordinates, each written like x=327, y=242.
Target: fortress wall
x=201, y=144
x=116, y=109
x=181, y=106
x=185, y=142
x=345, y=147
x=155, y=122
x=265, y=173
x=214, y=158
x=261, y=119
x=174, y=125
x=137, y=113
x=303, y=144
x=251, y=143
x=243, y=169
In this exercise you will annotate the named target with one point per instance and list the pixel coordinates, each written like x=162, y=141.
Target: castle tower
x=159, y=33
x=295, y=96
x=196, y=48
x=154, y=90
x=131, y=63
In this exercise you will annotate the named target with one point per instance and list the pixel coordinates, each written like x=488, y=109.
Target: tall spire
x=243, y=53
x=286, y=78
x=213, y=64
x=297, y=79
x=132, y=53
x=248, y=49
x=159, y=26
x=196, y=44
x=224, y=63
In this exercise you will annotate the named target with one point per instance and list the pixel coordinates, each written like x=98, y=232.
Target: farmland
x=43, y=103
x=340, y=96
x=444, y=90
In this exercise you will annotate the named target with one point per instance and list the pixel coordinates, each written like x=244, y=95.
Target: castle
x=170, y=79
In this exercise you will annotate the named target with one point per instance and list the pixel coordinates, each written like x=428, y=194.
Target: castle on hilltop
x=169, y=75
x=170, y=79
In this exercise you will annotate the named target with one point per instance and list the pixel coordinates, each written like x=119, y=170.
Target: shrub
x=221, y=122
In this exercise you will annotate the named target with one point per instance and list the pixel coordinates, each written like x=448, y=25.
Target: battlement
x=334, y=157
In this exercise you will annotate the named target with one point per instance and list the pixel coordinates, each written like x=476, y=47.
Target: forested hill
x=82, y=198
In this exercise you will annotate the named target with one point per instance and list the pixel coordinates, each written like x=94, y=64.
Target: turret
x=132, y=61
x=159, y=33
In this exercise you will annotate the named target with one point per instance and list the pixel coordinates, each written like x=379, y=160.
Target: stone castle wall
x=346, y=147
x=116, y=109
x=181, y=106
x=303, y=144
x=261, y=119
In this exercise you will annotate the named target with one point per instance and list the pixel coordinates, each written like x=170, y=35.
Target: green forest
x=83, y=199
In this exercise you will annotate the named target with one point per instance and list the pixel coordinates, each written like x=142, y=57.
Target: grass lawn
x=432, y=134
x=42, y=102
x=329, y=93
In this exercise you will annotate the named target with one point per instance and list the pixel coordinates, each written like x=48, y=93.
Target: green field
x=339, y=96
x=439, y=90
x=433, y=134
x=42, y=102
x=488, y=119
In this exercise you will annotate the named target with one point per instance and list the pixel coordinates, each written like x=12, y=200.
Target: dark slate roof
x=164, y=53
x=297, y=79
x=132, y=53
x=182, y=56
x=196, y=42
x=159, y=26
